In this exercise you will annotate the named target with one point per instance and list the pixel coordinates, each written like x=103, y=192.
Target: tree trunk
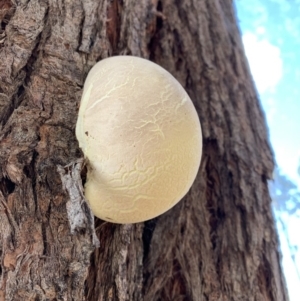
x=218, y=243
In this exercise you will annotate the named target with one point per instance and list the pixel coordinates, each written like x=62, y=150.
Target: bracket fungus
x=141, y=135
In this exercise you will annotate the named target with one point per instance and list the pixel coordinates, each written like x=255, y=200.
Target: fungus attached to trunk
x=142, y=138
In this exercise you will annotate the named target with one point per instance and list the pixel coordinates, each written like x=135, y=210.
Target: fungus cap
x=141, y=135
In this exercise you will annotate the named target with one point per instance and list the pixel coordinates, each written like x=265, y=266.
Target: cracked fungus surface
x=141, y=135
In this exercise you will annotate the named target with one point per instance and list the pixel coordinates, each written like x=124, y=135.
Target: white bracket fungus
x=142, y=138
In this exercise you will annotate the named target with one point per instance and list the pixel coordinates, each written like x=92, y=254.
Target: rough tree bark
x=219, y=243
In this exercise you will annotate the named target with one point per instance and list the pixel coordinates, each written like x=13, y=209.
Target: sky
x=271, y=35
